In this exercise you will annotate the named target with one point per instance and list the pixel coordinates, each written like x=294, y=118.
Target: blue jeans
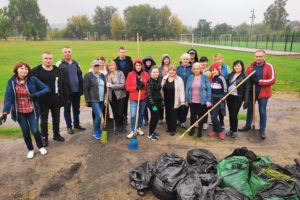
x=133, y=109
x=74, y=101
x=97, y=110
x=217, y=127
x=262, y=108
x=28, y=123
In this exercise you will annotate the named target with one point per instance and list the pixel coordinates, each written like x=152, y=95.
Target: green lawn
x=287, y=69
x=10, y=132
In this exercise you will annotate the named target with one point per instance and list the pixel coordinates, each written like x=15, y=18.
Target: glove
x=154, y=108
x=208, y=104
x=3, y=118
x=89, y=104
x=139, y=85
x=109, y=85
x=255, y=80
x=32, y=97
x=245, y=105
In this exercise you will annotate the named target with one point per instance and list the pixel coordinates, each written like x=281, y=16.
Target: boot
x=191, y=133
x=199, y=134
x=262, y=135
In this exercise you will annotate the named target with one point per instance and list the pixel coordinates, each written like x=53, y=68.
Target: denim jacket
x=34, y=86
x=205, y=89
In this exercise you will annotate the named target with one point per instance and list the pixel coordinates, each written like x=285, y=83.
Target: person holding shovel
x=94, y=88
x=136, y=86
x=116, y=94
x=263, y=79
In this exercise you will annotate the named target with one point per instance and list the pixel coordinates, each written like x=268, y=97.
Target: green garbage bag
x=235, y=173
x=257, y=181
x=282, y=198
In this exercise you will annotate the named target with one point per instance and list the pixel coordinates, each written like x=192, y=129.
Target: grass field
x=287, y=69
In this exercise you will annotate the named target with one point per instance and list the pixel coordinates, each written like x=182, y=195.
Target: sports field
x=84, y=52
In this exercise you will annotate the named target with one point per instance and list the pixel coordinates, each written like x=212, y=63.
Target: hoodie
x=147, y=69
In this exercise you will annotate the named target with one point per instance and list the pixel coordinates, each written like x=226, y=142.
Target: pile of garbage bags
x=240, y=176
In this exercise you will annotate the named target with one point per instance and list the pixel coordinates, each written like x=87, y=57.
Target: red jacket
x=269, y=78
x=130, y=86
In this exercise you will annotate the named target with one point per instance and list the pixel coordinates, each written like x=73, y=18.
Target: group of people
x=161, y=91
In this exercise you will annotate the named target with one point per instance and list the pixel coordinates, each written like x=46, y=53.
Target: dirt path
x=82, y=168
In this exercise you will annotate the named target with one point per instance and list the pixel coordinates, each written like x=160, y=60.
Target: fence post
x=225, y=40
x=267, y=41
x=286, y=41
x=231, y=40
x=247, y=41
x=239, y=40
x=273, y=41
x=293, y=37
x=256, y=41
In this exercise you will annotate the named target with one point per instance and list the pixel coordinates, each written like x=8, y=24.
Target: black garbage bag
x=202, y=160
x=279, y=189
x=228, y=194
x=140, y=177
x=190, y=188
x=168, y=170
x=295, y=172
x=243, y=151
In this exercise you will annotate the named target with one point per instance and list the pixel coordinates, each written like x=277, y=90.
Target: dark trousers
x=74, y=101
x=234, y=104
x=217, y=127
x=197, y=111
x=28, y=122
x=125, y=108
x=154, y=117
x=182, y=112
x=161, y=117
x=146, y=117
x=117, y=106
x=171, y=116
x=54, y=108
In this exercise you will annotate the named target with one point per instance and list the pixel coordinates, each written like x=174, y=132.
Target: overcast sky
x=233, y=12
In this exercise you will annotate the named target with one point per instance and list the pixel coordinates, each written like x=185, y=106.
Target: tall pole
x=252, y=20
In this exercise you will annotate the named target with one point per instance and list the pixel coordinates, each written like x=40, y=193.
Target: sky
x=233, y=12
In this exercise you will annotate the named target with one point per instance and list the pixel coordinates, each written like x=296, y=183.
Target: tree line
x=23, y=17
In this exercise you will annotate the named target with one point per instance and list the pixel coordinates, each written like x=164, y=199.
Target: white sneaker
x=140, y=132
x=205, y=126
x=30, y=154
x=130, y=135
x=43, y=151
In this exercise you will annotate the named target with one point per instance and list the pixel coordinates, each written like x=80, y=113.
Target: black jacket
x=62, y=89
x=128, y=66
x=90, y=87
x=64, y=69
x=243, y=90
x=153, y=91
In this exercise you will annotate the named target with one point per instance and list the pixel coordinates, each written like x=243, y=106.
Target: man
x=72, y=75
x=52, y=77
x=124, y=63
x=263, y=78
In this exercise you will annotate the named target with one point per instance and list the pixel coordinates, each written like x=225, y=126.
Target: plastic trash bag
x=202, y=160
x=228, y=194
x=168, y=170
x=243, y=151
x=140, y=177
x=235, y=173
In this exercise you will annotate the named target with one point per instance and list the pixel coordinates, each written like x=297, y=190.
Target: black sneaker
x=172, y=133
x=262, y=135
x=244, y=129
x=234, y=134
x=79, y=127
x=141, y=192
x=70, y=131
x=59, y=138
x=229, y=133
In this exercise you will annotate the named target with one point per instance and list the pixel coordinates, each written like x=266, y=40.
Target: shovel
x=104, y=131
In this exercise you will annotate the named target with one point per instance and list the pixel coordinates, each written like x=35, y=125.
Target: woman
x=21, y=100
x=154, y=102
x=94, y=86
x=174, y=97
x=184, y=70
x=198, y=96
x=116, y=94
x=136, y=81
x=148, y=64
x=237, y=97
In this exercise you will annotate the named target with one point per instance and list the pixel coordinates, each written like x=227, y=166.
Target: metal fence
x=282, y=42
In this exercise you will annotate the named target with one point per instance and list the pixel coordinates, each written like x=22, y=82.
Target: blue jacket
x=184, y=72
x=34, y=86
x=205, y=89
x=225, y=71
